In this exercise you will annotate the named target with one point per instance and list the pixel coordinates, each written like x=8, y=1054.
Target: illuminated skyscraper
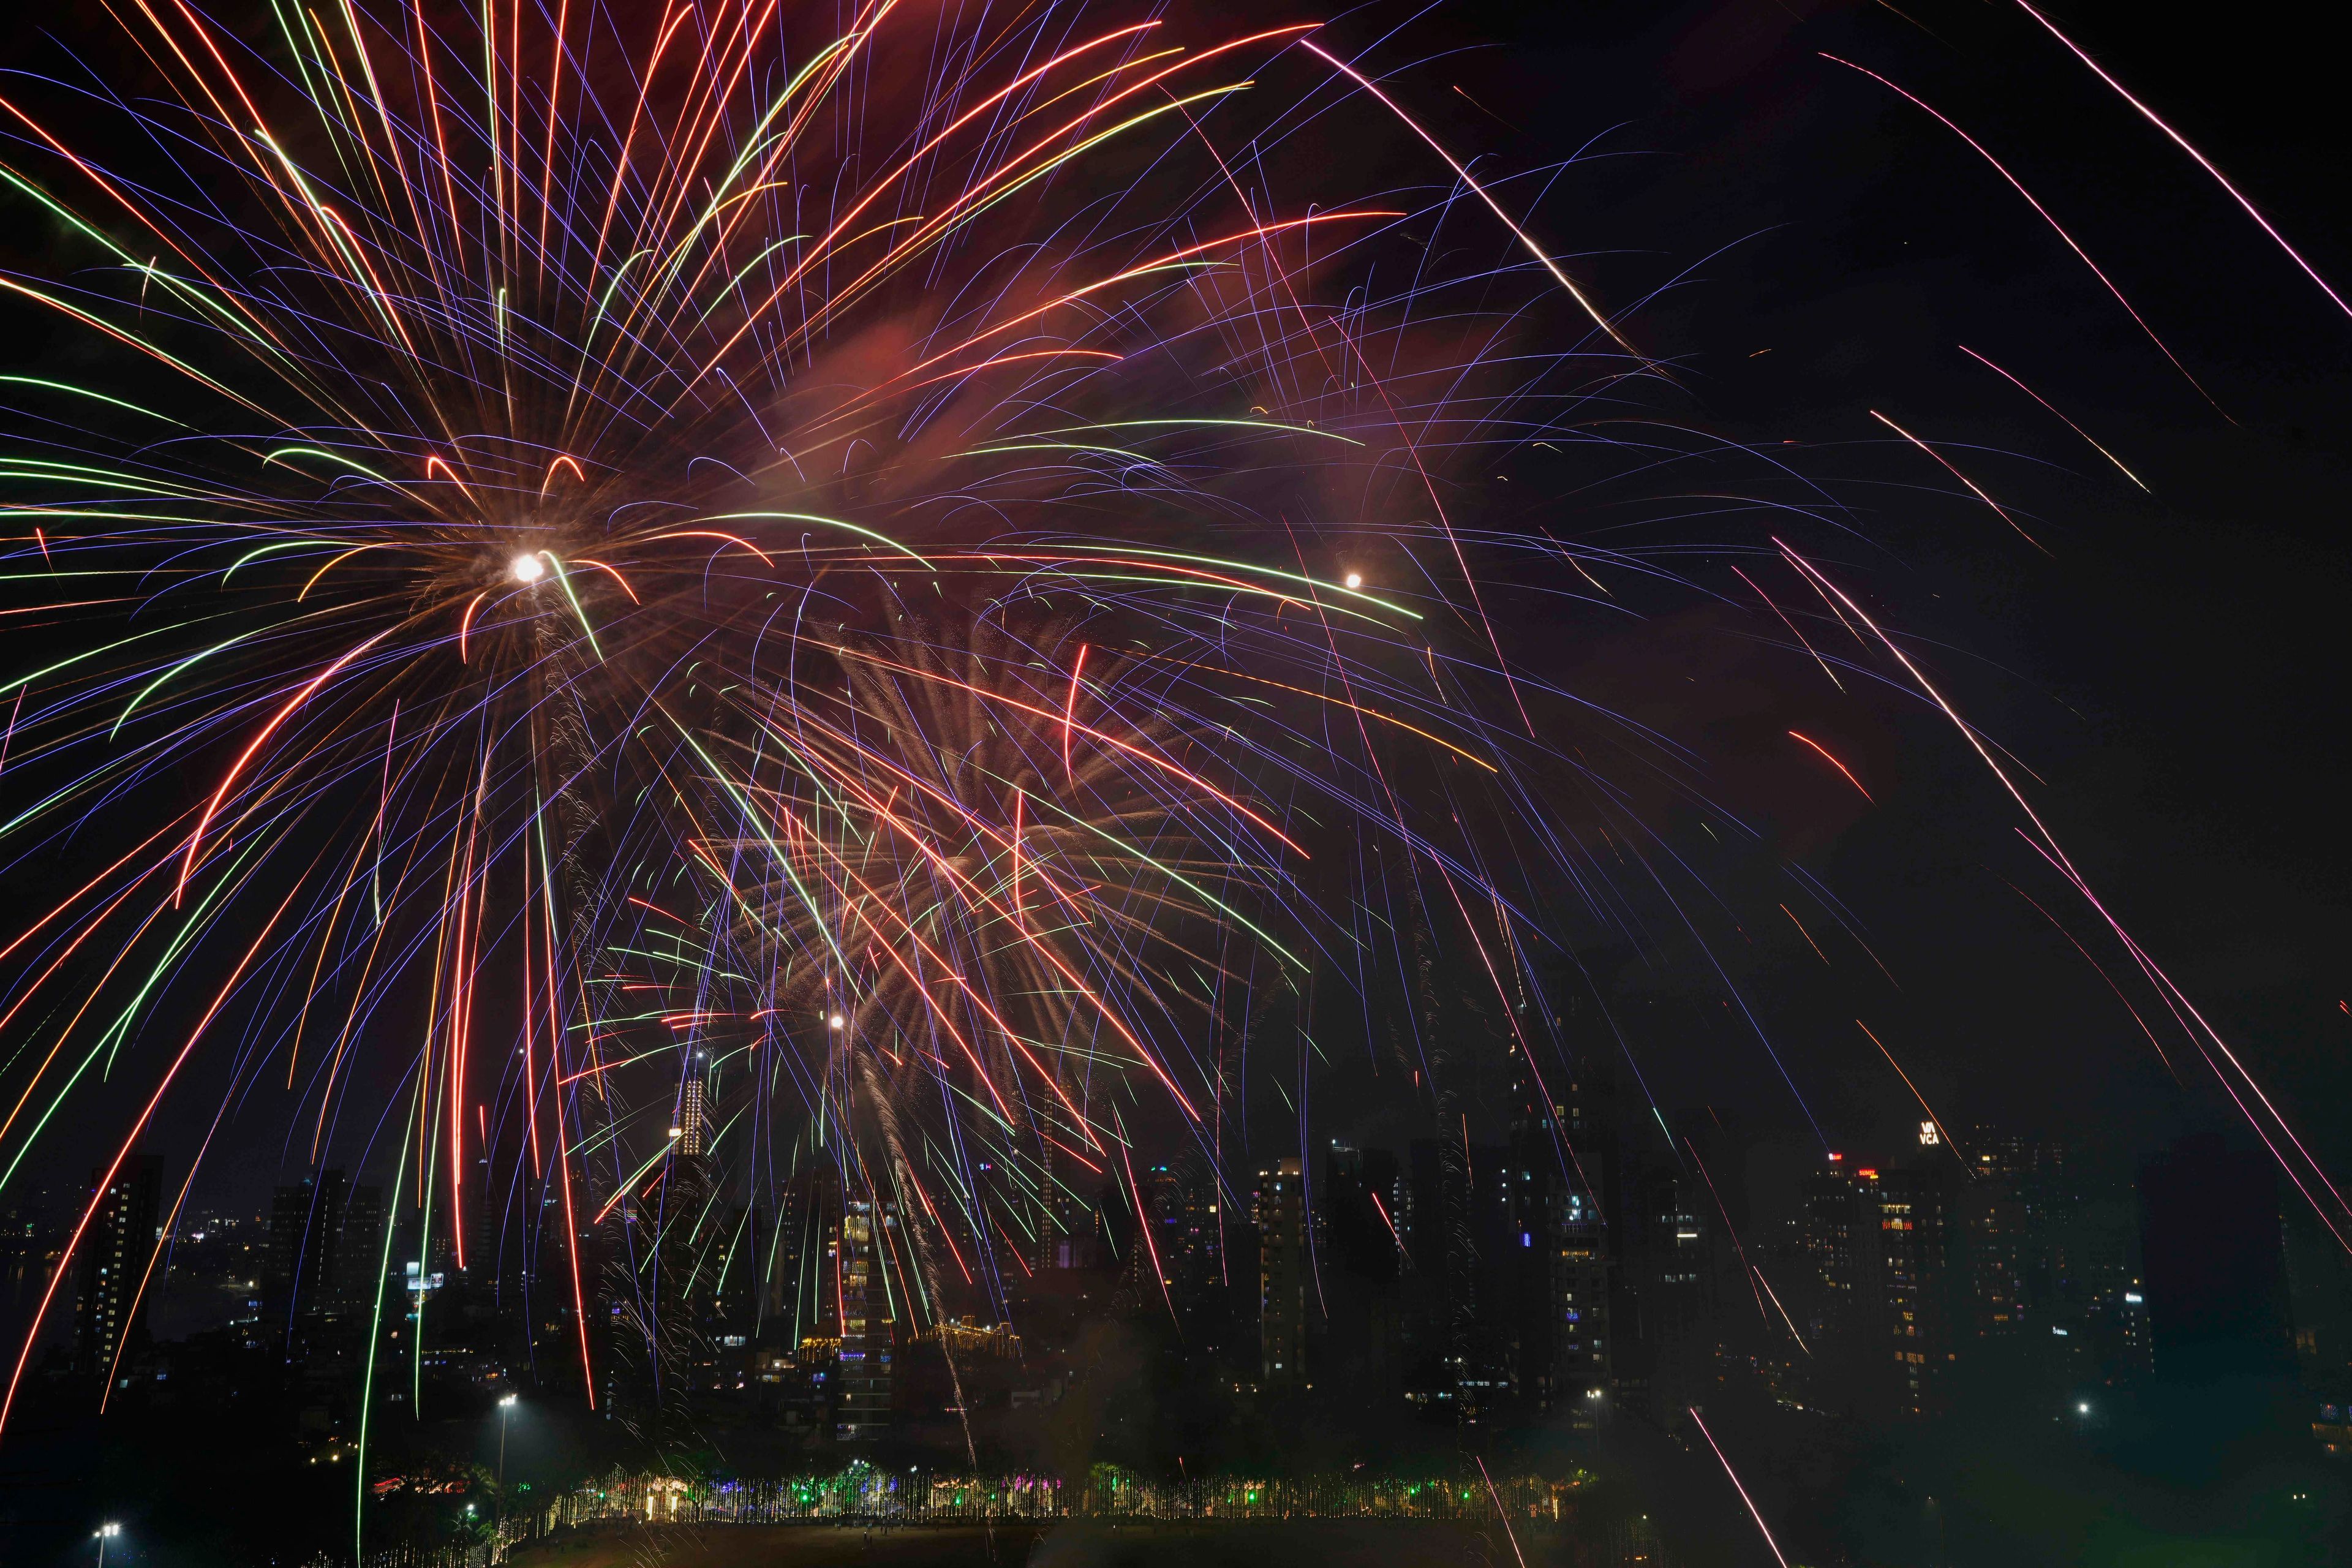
x=1881, y=1321
x=1282, y=1272
x=112, y=1309
x=867, y=1333
x=1567, y=1355
x=693, y=1123
x=1911, y=1211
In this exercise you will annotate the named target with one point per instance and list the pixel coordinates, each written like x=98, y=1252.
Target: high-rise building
x=1283, y=1273
x=1459, y=1299
x=1170, y=1256
x=2134, y=1359
x=1559, y=1242
x=1994, y=1237
x=1913, y=1237
x=1440, y=1291
x=1065, y=1230
x=732, y=1262
x=2085, y=1272
x=1718, y=1146
x=1047, y=1209
x=1836, y=1245
x=1587, y=1246
x=1878, y=1288
x=801, y=1299
x=869, y=1334
x=1509, y=1259
x=2045, y=1246
x=306, y=1271
x=1673, y=1332
x=297, y=1254
x=1582, y=1344
x=1183, y=1200
x=1501, y=1235
x=693, y=1119
x=1361, y=1350
x=109, y=1313
x=351, y=1275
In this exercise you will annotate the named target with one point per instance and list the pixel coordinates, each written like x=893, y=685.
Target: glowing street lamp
x=102, y=1534
x=506, y=1409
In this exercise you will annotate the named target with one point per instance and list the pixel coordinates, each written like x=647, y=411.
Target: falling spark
x=2036, y=204
x=1753, y=1511
x=1973, y=488
x=1934, y=1121
x=2045, y=403
x=1841, y=768
x=2202, y=162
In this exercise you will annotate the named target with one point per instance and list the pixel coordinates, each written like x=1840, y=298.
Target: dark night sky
x=2168, y=667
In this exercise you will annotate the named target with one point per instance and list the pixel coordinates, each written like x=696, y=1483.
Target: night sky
x=2170, y=667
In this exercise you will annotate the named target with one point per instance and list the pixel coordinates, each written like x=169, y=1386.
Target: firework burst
x=674, y=585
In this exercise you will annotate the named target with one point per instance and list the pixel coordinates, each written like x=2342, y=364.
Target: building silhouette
x=1360, y=1348
x=1669, y=1330
x=808, y=1240
x=325, y=1248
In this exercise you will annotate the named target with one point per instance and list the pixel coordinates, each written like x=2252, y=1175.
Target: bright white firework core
x=835, y=1020
x=1354, y=579
x=526, y=569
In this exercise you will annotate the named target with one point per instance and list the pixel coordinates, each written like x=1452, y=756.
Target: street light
x=102, y=1534
x=506, y=1409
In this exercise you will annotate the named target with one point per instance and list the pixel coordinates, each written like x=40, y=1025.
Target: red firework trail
x=1841, y=768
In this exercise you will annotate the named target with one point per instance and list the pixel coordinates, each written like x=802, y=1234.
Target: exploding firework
x=672, y=591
